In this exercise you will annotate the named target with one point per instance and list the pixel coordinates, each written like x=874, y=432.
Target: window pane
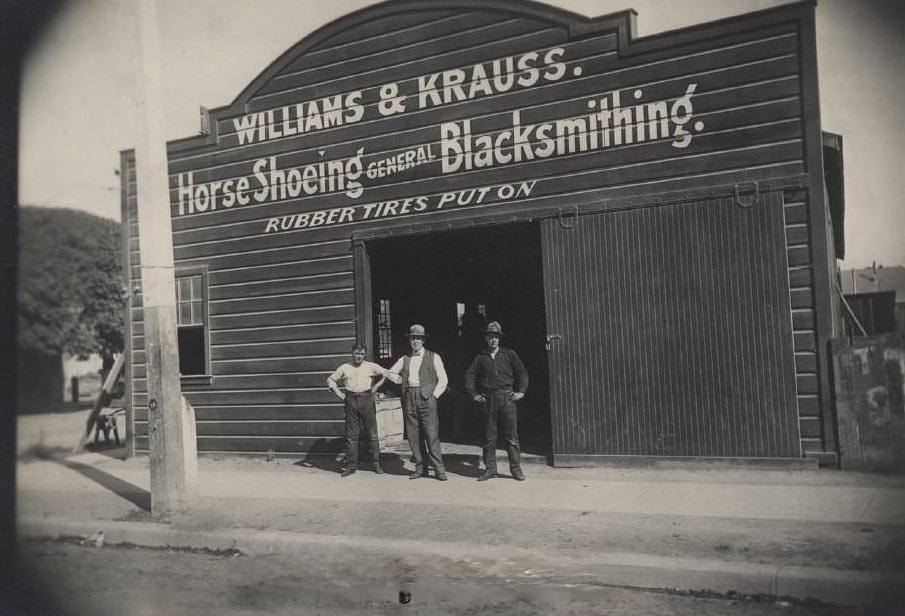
x=196, y=288
x=183, y=289
x=197, y=314
x=191, y=350
x=185, y=314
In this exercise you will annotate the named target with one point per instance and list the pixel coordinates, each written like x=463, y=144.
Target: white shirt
x=395, y=373
x=356, y=378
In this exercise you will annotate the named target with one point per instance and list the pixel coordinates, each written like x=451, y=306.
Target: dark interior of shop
x=454, y=283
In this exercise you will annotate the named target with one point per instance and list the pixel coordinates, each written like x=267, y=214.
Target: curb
x=839, y=586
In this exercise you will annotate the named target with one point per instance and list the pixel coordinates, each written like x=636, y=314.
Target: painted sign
x=460, y=145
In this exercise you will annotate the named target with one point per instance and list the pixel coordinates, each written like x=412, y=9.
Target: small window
x=191, y=318
x=384, y=331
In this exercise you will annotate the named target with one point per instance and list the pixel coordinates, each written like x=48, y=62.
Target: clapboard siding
x=402, y=21
x=257, y=428
x=803, y=299
x=260, y=444
x=282, y=333
x=268, y=396
x=257, y=381
x=276, y=286
x=289, y=412
x=132, y=280
x=324, y=362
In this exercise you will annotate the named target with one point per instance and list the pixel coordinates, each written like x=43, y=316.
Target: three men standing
x=423, y=379
x=361, y=411
x=497, y=379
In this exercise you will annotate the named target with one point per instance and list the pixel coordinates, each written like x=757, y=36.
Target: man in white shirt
x=357, y=377
x=423, y=379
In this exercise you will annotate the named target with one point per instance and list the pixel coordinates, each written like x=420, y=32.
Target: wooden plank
x=277, y=428
x=806, y=362
x=284, y=317
x=808, y=406
x=261, y=428
x=280, y=396
x=290, y=444
x=802, y=298
x=406, y=78
x=804, y=341
x=809, y=426
x=809, y=445
x=367, y=61
x=800, y=277
x=797, y=234
x=282, y=285
x=280, y=364
x=289, y=332
x=271, y=381
x=318, y=246
x=647, y=69
x=807, y=383
x=796, y=213
x=399, y=30
x=397, y=21
x=264, y=413
x=278, y=269
x=803, y=319
x=284, y=349
x=799, y=255
x=289, y=301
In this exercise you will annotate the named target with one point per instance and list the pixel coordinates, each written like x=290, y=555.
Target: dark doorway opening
x=453, y=283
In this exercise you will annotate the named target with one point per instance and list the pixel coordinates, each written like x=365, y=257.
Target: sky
x=81, y=90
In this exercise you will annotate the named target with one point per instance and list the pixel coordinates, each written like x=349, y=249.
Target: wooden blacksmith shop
x=646, y=217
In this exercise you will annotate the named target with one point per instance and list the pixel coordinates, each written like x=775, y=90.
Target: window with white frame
x=191, y=318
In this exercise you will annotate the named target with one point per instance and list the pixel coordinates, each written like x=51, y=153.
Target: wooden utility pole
x=171, y=423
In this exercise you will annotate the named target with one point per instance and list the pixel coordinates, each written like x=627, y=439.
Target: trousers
x=361, y=412
x=501, y=411
x=422, y=425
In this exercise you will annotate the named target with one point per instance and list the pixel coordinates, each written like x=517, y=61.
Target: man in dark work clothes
x=497, y=379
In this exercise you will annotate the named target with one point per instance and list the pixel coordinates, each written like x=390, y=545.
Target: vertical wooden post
x=364, y=322
x=170, y=429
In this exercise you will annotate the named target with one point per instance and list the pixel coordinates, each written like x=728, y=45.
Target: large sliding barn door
x=670, y=331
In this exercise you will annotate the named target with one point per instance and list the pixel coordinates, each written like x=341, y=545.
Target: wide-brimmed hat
x=494, y=328
x=416, y=330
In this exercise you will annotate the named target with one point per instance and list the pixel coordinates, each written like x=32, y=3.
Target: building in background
x=876, y=296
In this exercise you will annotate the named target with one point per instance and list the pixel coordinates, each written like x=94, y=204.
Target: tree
x=70, y=283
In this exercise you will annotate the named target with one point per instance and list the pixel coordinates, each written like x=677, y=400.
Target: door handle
x=551, y=339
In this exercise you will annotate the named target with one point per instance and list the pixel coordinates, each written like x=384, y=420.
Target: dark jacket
x=506, y=371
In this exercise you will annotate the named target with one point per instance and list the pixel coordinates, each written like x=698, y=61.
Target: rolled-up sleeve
x=395, y=372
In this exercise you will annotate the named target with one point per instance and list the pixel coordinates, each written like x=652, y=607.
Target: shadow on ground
x=60, y=455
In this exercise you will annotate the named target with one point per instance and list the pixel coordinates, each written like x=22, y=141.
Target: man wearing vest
x=497, y=379
x=423, y=379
